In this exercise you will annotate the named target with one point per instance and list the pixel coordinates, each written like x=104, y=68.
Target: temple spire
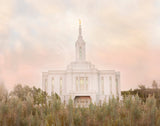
x=80, y=46
x=80, y=30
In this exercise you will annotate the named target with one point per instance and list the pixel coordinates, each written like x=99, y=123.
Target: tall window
x=110, y=81
x=60, y=86
x=81, y=83
x=117, y=87
x=82, y=80
x=102, y=85
x=76, y=83
x=86, y=83
x=46, y=85
x=52, y=84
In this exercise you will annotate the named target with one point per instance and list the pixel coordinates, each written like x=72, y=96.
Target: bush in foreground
x=26, y=106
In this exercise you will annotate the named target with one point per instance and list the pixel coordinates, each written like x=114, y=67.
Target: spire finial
x=79, y=21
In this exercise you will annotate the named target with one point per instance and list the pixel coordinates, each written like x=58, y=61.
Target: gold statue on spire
x=79, y=21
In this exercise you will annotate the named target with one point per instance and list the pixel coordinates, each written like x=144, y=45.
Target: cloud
x=38, y=35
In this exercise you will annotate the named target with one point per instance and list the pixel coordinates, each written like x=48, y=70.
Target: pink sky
x=38, y=35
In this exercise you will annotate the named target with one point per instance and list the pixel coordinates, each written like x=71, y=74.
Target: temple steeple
x=80, y=30
x=80, y=46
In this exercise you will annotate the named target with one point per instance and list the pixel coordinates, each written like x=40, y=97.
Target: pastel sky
x=38, y=35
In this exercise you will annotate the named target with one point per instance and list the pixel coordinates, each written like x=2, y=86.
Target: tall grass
x=33, y=110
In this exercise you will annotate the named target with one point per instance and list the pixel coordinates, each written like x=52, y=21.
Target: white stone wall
x=94, y=84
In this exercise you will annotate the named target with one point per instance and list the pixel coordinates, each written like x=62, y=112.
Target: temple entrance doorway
x=82, y=101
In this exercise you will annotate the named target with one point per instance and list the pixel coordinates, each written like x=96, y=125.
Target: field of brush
x=25, y=106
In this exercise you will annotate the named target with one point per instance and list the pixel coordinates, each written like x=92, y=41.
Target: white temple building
x=81, y=81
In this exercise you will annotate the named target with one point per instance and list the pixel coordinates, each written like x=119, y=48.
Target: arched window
x=102, y=85
x=52, y=84
x=60, y=86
